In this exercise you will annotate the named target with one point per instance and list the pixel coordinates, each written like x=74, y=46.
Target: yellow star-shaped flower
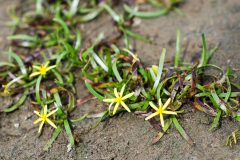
x=44, y=118
x=135, y=58
x=6, y=91
x=160, y=110
x=119, y=99
x=42, y=70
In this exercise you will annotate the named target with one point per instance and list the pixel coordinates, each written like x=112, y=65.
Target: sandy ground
x=128, y=136
x=5, y=30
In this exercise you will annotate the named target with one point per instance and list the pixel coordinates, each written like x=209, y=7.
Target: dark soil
x=127, y=136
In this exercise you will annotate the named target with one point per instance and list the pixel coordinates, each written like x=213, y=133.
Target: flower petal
x=51, y=67
x=37, y=121
x=115, y=108
x=115, y=92
x=37, y=113
x=128, y=96
x=109, y=100
x=46, y=64
x=151, y=116
x=36, y=67
x=166, y=103
x=153, y=106
x=161, y=120
x=122, y=90
x=160, y=102
x=125, y=106
x=51, y=123
x=34, y=74
x=45, y=110
x=52, y=112
x=169, y=112
x=40, y=127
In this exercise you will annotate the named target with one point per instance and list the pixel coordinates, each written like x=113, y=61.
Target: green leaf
x=113, y=14
x=20, y=102
x=204, y=56
x=37, y=90
x=73, y=8
x=177, y=54
x=59, y=20
x=137, y=105
x=229, y=88
x=142, y=14
x=58, y=105
x=18, y=60
x=233, y=94
x=71, y=101
x=60, y=57
x=218, y=101
x=90, y=16
x=91, y=90
x=132, y=34
x=58, y=76
x=181, y=130
x=143, y=73
x=78, y=41
x=115, y=71
x=7, y=64
x=69, y=132
x=99, y=61
x=39, y=7
x=53, y=138
x=23, y=37
x=62, y=115
x=160, y=69
x=165, y=128
x=216, y=120
x=79, y=119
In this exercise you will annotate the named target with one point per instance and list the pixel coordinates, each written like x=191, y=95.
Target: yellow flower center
x=43, y=70
x=160, y=110
x=44, y=117
x=118, y=99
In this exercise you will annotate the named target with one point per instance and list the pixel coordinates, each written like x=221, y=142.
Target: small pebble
x=69, y=147
x=137, y=22
x=29, y=115
x=16, y=125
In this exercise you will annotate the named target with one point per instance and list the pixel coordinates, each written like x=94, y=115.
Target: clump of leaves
x=233, y=138
x=181, y=82
x=47, y=75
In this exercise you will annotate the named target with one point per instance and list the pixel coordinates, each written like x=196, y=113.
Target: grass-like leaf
x=113, y=14
x=204, y=55
x=99, y=61
x=178, y=45
x=148, y=14
x=19, y=61
x=115, y=71
x=52, y=139
x=60, y=21
x=181, y=130
x=37, y=90
x=20, y=102
x=91, y=90
x=160, y=69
